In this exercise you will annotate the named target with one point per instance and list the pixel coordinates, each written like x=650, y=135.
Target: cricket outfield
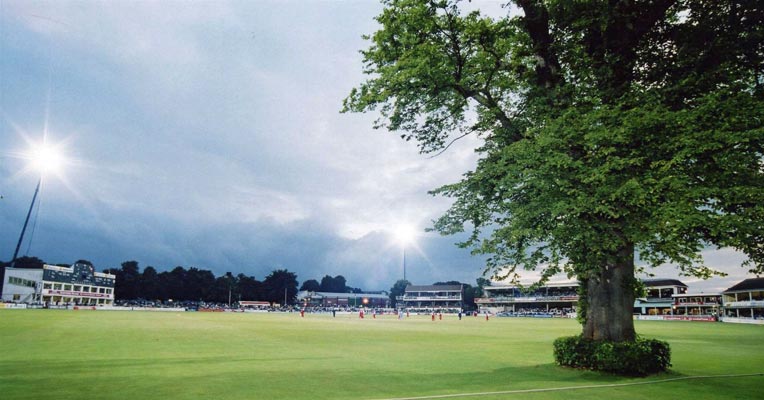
x=56, y=354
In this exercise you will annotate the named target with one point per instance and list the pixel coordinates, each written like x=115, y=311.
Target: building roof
x=748, y=284
x=433, y=288
x=662, y=282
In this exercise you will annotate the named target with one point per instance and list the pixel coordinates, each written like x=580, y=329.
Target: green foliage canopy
x=607, y=127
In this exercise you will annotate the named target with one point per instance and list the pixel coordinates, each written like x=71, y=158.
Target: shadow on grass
x=515, y=378
x=288, y=378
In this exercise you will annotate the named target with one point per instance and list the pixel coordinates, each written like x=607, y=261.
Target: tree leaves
x=605, y=128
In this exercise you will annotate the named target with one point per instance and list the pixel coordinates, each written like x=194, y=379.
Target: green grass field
x=48, y=354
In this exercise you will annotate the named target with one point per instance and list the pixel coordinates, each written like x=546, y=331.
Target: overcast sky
x=208, y=135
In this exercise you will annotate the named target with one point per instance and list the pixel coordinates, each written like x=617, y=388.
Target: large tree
x=150, y=286
x=337, y=284
x=249, y=287
x=311, y=285
x=280, y=286
x=128, y=280
x=28, y=262
x=398, y=290
x=610, y=130
x=224, y=289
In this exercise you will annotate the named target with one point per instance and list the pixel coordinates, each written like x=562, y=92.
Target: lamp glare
x=47, y=159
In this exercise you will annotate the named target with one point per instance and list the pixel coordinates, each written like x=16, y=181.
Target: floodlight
x=404, y=234
x=46, y=158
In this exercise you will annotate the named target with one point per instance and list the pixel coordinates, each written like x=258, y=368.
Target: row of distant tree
x=337, y=284
x=194, y=284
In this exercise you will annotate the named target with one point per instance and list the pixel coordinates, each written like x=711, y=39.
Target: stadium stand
x=744, y=302
x=432, y=298
x=77, y=285
x=552, y=300
x=659, y=299
x=696, y=307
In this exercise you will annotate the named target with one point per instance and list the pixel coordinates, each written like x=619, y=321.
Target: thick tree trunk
x=610, y=298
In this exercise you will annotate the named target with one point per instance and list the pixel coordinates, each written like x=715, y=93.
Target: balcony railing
x=752, y=303
x=428, y=298
x=517, y=299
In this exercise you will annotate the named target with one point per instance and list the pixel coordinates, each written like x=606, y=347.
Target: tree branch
x=629, y=23
x=536, y=22
x=452, y=142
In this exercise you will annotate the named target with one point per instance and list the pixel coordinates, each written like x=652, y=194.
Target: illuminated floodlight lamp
x=404, y=235
x=45, y=159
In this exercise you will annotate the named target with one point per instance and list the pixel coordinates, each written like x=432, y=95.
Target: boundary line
x=565, y=388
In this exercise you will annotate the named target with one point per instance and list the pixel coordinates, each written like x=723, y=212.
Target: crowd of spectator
x=552, y=293
x=191, y=305
x=538, y=312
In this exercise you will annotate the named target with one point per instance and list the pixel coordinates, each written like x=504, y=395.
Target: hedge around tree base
x=640, y=357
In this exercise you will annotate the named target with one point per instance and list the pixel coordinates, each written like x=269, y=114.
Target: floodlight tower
x=404, y=262
x=404, y=234
x=43, y=159
x=26, y=222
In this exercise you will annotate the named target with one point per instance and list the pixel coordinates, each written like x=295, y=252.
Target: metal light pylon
x=26, y=222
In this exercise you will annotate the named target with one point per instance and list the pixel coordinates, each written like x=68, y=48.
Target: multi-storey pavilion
x=78, y=284
x=433, y=298
x=659, y=299
x=744, y=302
x=552, y=298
